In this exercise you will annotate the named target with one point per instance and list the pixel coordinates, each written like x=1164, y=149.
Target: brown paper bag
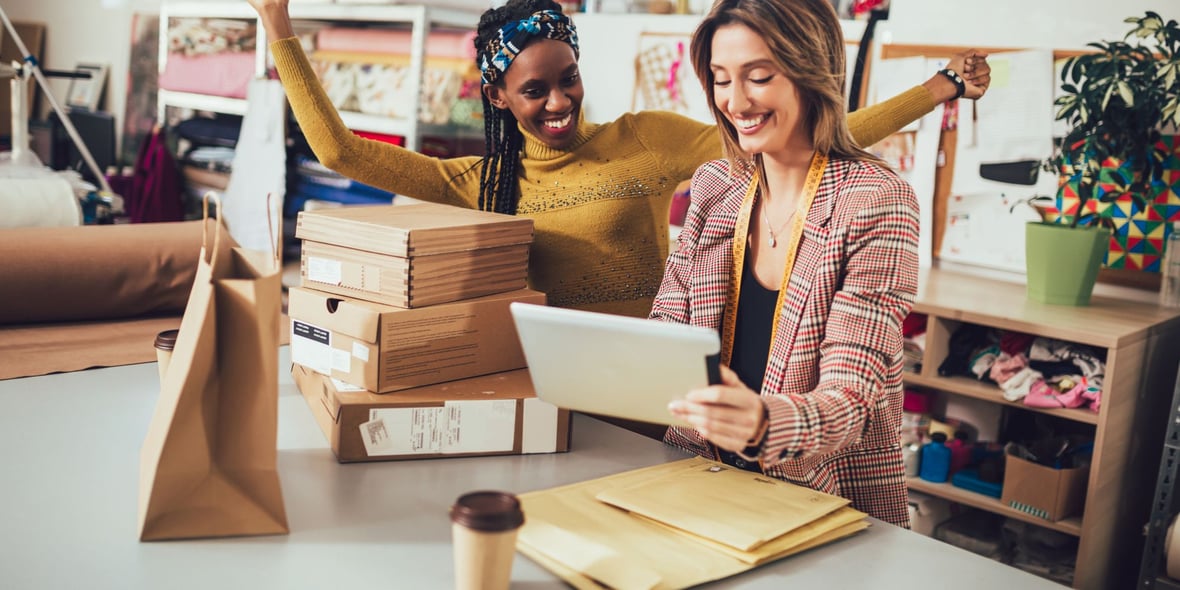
x=207, y=467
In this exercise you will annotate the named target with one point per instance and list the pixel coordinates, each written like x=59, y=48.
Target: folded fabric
x=439, y=43
x=1043, y=395
x=1018, y=386
x=222, y=74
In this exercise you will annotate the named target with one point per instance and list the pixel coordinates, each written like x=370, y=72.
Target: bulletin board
x=1136, y=277
x=665, y=80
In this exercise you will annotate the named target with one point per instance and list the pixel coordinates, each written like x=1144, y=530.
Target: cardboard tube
x=97, y=272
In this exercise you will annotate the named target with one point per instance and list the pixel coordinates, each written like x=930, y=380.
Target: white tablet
x=614, y=365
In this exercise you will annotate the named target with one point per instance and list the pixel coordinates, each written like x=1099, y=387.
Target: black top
x=751, y=335
x=751, y=343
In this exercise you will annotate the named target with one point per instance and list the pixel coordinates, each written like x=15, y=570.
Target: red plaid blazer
x=833, y=384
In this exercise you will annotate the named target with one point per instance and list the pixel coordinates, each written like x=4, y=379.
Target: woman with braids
x=801, y=249
x=598, y=193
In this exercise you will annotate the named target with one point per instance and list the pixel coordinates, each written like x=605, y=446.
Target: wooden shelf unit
x=1142, y=345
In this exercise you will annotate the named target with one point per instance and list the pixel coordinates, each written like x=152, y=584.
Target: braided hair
x=499, y=188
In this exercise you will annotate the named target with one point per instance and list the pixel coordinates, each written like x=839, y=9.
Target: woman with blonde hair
x=802, y=250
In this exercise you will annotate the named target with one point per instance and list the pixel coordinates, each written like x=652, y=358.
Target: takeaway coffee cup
x=165, y=341
x=483, y=528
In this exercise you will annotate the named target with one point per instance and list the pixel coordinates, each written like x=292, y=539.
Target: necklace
x=772, y=241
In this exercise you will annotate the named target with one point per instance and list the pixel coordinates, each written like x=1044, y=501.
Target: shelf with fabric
x=1140, y=346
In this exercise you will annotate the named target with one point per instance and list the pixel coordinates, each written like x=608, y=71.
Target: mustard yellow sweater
x=600, y=207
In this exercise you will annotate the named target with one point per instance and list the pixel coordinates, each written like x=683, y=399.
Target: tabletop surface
x=69, y=491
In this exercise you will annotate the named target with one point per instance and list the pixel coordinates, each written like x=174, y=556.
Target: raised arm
x=872, y=124
x=386, y=166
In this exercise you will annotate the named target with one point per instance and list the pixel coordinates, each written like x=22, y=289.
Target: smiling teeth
x=748, y=123
x=559, y=124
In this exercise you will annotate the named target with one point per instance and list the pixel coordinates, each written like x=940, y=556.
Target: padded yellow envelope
x=591, y=544
x=732, y=506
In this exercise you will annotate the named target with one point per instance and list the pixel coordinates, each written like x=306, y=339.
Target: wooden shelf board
x=970, y=388
x=1069, y=526
x=376, y=123
x=202, y=102
x=1106, y=322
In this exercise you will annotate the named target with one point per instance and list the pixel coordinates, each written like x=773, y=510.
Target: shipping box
x=413, y=255
x=383, y=348
x=1052, y=494
x=496, y=414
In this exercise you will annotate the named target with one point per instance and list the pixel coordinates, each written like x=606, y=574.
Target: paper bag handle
x=270, y=230
x=210, y=258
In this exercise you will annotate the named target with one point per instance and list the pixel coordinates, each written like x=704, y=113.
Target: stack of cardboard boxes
x=401, y=337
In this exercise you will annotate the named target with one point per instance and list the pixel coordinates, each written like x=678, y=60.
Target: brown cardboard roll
x=98, y=272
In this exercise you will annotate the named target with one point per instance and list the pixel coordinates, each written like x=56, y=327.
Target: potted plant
x=1116, y=99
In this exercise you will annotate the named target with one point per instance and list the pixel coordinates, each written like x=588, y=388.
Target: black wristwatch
x=960, y=85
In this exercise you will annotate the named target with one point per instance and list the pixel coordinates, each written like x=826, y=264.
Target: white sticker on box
x=540, y=427
x=409, y=431
x=485, y=426
x=377, y=439
x=324, y=270
x=345, y=387
x=341, y=361
x=360, y=351
x=311, y=346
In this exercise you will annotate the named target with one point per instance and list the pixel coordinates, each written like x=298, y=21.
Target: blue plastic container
x=936, y=460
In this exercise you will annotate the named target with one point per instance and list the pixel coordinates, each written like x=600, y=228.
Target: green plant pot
x=1062, y=262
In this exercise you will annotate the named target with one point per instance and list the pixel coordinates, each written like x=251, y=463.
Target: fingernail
x=675, y=406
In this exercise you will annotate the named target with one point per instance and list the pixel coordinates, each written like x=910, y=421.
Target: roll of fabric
x=98, y=272
x=48, y=201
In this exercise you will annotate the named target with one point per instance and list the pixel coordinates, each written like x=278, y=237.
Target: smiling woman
x=810, y=323
x=598, y=194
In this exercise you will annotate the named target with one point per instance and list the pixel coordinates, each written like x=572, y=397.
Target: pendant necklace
x=772, y=241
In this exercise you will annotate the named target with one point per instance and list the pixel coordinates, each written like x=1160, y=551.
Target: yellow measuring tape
x=814, y=174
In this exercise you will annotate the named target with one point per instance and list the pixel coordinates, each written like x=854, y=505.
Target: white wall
x=85, y=31
x=1052, y=24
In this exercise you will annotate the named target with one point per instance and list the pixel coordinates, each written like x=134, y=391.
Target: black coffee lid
x=166, y=340
x=488, y=511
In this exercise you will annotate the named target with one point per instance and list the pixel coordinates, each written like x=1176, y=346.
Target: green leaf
x=1126, y=93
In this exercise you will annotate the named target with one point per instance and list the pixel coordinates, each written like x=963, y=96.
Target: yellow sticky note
x=1000, y=72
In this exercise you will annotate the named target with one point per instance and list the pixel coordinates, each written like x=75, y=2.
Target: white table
x=69, y=455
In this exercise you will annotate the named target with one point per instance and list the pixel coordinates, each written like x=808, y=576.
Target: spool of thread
x=165, y=342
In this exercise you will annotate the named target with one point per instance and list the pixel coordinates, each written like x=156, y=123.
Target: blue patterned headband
x=512, y=37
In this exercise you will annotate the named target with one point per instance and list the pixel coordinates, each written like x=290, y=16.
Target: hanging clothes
x=157, y=192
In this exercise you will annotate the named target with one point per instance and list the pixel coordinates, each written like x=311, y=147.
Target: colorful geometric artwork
x=1139, y=236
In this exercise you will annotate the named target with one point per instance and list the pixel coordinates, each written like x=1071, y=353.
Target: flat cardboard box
x=418, y=281
x=383, y=348
x=420, y=229
x=413, y=255
x=496, y=414
x=1052, y=494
